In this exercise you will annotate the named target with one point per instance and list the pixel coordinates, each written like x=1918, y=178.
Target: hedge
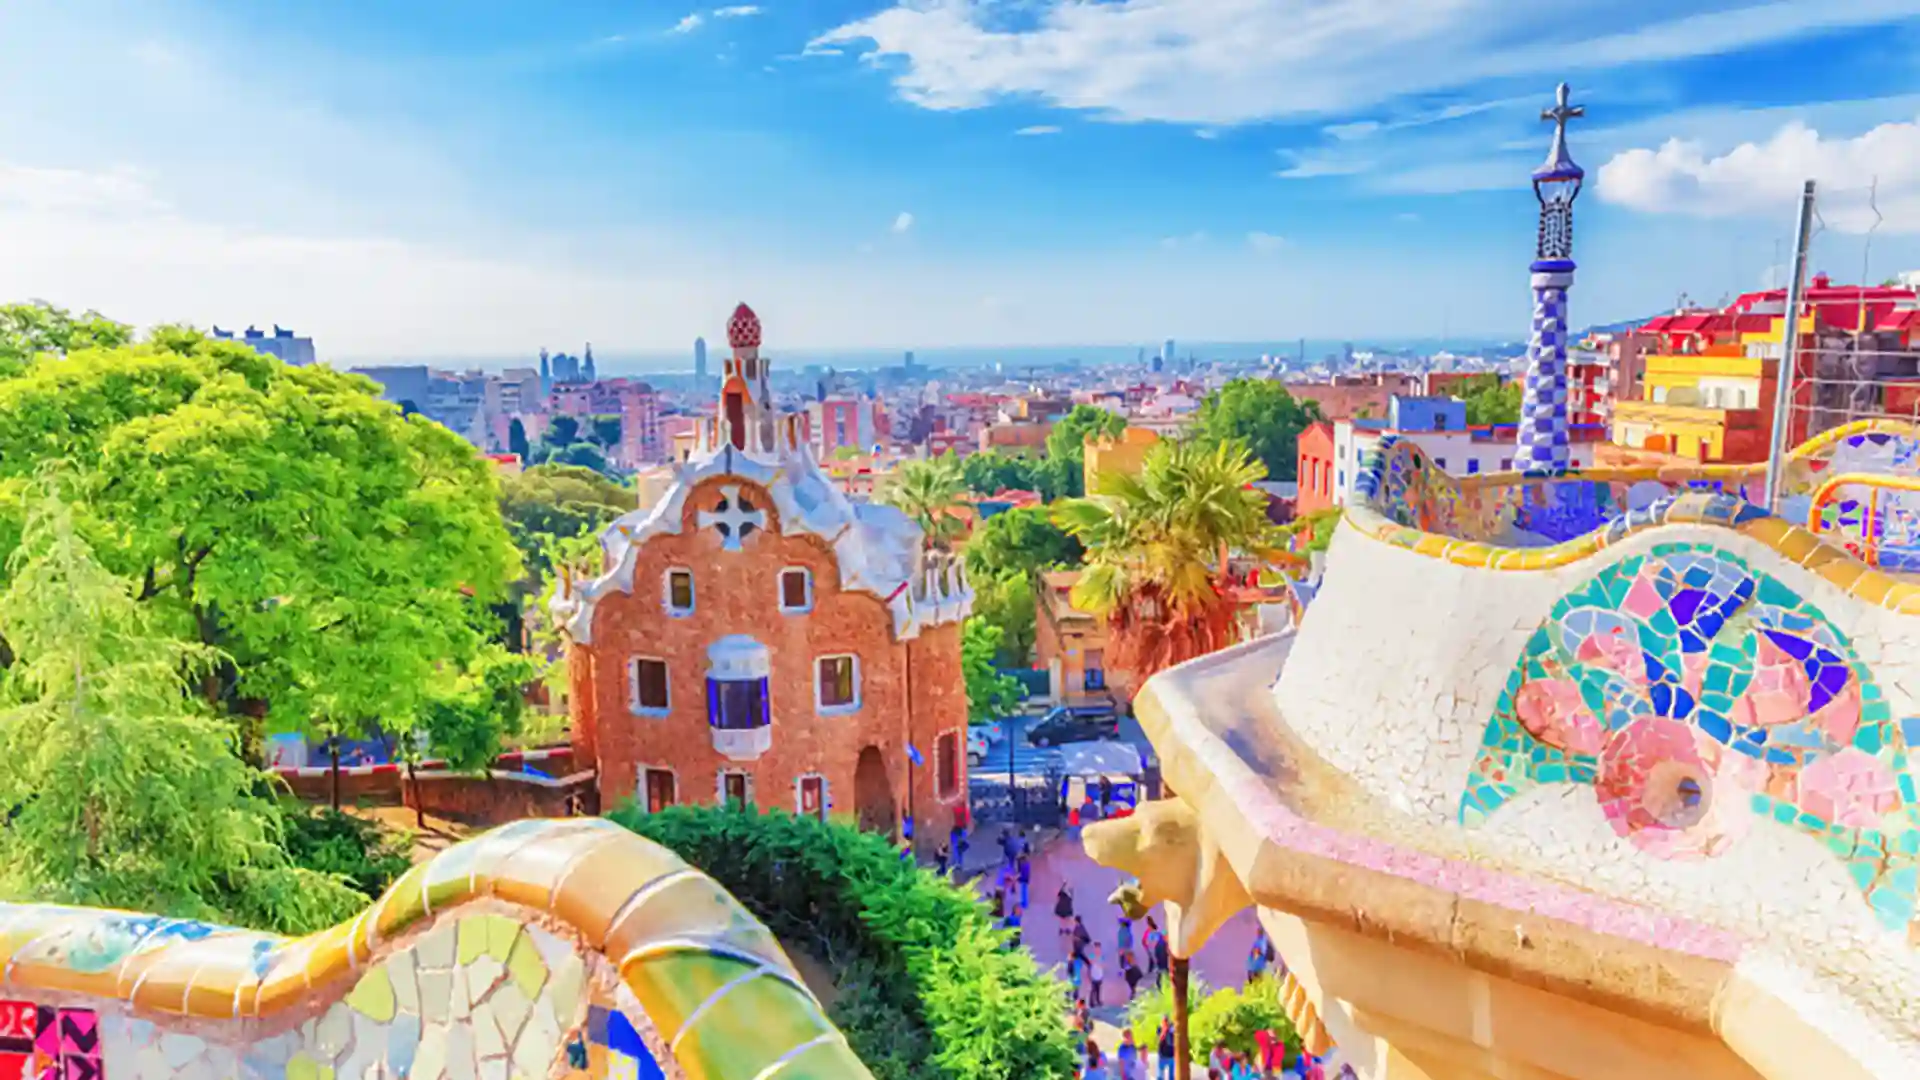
x=927, y=987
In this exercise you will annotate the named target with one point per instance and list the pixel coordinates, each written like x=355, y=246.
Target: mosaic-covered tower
x=1543, y=448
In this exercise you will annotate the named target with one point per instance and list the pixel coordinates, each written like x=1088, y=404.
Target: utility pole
x=1790, y=349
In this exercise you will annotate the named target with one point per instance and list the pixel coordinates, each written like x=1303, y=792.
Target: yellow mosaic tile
x=593, y=896
x=526, y=967
x=403, y=905
x=373, y=996
x=749, y=1029
x=538, y=868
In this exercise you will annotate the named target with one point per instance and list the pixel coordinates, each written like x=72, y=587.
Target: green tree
x=1063, y=475
x=1490, y=401
x=465, y=722
x=604, y=431
x=990, y=472
x=1007, y=602
x=583, y=455
x=1226, y=1017
x=123, y=790
x=1024, y=540
x=28, y=330
x=341, y=558
x=990, y=695
x=517, y=440
x=1157, y=548
x=548, y=501
x=1262, y=416
x=928, y=490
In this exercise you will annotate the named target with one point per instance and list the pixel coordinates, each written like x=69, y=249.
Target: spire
x=1543, y=447
x=589, y=363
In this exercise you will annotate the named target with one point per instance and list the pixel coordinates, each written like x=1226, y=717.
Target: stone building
x=756, y=636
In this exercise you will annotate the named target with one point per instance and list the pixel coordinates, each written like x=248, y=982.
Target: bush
x=1229, y=1017
x=369, y=856
x=927, y=987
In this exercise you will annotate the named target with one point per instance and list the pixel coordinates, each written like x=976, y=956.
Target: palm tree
x=927, y=490
x=1157, y=551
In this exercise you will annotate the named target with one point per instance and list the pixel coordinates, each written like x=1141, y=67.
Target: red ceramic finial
x=743, y=330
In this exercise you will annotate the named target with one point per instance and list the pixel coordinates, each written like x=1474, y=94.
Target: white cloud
x=1238, y=61
x=1359, y=129
x=1408, y=216
x=902, y=223
x=688, y=25
x=1764, y=178
x=1265, y=243
x=1208, y=134
x=1039, y=129
x=737, y=11
x=1313, y=165
x=1191, y=239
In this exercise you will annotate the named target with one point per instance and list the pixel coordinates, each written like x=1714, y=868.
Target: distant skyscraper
x=546, y=372
x=909, y=360
x=589, y=372
x=700, y=360
x=1166, y=352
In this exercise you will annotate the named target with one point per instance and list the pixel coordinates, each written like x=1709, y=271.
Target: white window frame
x=959, y=766
x=826, y=794
x=819, y=686
x=633, y=687
x=720, y=785
x=780, y=584
x=640, y=785
x=666, y=592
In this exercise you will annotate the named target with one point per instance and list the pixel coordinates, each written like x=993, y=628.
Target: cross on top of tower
x=1560, y=164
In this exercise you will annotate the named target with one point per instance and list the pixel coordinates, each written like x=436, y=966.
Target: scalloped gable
x=877, y=548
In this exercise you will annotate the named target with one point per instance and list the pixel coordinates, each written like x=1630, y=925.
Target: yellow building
x=1123, y=453
x=1707, y=394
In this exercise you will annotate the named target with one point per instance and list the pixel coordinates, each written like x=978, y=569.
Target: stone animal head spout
x=1176, y=864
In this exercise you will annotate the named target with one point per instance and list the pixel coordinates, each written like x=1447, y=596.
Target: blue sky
x=483, y=177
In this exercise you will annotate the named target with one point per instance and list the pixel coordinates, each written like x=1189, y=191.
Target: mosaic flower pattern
x=1697, y=695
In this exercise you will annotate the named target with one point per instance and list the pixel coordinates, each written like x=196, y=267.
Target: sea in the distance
x=1011, y=358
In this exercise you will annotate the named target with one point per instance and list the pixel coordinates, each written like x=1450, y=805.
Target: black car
x=1074, y=723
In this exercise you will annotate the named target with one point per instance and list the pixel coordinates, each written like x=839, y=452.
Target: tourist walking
x=1164, y=1056
x=1132, y=973
x=1096, y=1066
x=1161, y=959
x=1096, y=974
x=1256, y=962
x=1151, y=941
x=1126, y=1057
x=1273, y=1051
x=1082, y=937
x=1024, y=868
x=1063, y=910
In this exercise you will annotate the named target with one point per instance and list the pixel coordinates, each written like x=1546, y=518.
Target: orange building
x=1123, y=453
x=1317, y=460
x=755, y=636
x=1071, y=644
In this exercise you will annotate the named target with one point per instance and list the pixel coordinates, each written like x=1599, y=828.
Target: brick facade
x=738, y=592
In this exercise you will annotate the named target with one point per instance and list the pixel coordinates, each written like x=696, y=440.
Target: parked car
x=1075, y=723
x=980, y=740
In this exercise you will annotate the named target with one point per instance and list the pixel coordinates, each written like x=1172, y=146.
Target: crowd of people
x=1141, y=955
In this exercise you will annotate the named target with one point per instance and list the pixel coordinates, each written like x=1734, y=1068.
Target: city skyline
x=480, y=180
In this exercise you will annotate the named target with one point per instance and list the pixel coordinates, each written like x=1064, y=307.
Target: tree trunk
x=334, y=797
x=1182, y=1052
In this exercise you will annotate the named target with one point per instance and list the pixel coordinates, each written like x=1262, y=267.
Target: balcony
x=742, y=744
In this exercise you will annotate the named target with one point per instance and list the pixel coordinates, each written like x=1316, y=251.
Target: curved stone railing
x=545, y=948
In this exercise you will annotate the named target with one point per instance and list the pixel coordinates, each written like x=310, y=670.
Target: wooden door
x=813, y=801
x=660, y=790
x=736, y=790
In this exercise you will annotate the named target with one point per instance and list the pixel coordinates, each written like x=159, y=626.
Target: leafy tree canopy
x=1489, y=401
x=1262, y=416
x=558, y=501
x=124, y=791
x=1006, y=601
x=33, y=329
x=990, y=695
x=990, y=472
x=1022, y=540
x=1066, y=449
x=339, y=556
